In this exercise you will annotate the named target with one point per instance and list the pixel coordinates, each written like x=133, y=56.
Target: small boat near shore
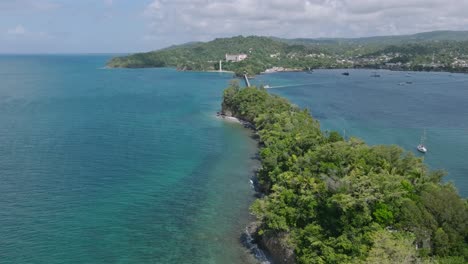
x=421, y=147
x=375, y=74
x=345, y=73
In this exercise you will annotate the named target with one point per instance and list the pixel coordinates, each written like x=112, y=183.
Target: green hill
x=387, y=40
x=206, y=56
x=412, y=52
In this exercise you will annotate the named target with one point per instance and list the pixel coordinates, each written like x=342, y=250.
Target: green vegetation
x=441, y=50
x=433, y=36
x=335, y=200
x=206, y=56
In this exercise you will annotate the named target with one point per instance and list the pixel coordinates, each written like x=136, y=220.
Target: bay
x=394, y=108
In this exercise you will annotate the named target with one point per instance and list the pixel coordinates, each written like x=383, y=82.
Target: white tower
x=220, y=65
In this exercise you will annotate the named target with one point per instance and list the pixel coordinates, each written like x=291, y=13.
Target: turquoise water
x=118, y=166
x=387, y=110
x=131, y=166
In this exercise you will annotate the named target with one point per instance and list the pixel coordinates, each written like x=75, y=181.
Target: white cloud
x=18, y=30
x=153, y=8
x=44, y=5
x=205, y=19
x=28, y=5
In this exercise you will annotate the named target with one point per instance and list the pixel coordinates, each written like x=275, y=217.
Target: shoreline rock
x=231, y=118
x=250, y=240
x=267, y=248
x=277, y=247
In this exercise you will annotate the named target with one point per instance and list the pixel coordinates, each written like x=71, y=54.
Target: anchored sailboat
x=421, y=147
x=375, y=74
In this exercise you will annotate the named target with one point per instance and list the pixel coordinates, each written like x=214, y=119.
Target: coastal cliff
x=330, y=200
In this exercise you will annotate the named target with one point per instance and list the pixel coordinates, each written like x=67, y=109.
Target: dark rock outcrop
x=278, y=248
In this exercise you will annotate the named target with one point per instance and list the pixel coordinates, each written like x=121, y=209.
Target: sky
x=125, y=26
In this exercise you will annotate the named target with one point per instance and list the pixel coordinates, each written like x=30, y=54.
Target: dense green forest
x=336, y=200
x=442, y=50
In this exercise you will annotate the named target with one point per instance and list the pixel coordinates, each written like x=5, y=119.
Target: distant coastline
x=303, y=70
x=431, y=51
x=281, y=69
x=269, y=71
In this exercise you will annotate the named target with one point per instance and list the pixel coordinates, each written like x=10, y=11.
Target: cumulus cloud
x=206, y=19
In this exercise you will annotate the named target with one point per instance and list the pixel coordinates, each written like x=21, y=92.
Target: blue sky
x=39, y=26
x=118, y=26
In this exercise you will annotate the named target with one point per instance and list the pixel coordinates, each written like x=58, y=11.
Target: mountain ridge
x=437, y=35
x=448, y=35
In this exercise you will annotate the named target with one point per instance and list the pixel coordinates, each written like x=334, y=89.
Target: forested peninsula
x=333, y=200
x=430, y=51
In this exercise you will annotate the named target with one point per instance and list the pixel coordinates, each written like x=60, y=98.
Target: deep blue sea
x=118, y=166
x=395, y=108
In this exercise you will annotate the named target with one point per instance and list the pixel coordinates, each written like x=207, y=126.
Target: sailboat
x=375, y=74
x=421, y=147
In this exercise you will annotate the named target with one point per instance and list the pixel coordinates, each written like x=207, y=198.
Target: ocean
x=132, y=165
x=119, y=165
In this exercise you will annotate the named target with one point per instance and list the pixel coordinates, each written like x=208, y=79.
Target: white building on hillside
x=236, y=57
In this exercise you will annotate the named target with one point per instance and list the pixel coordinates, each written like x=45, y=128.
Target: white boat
x=421, y=147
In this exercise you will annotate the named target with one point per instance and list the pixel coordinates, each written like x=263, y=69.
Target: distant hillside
x=193, y=55
x=206, y=56
x=386, y=40
x=438, y=50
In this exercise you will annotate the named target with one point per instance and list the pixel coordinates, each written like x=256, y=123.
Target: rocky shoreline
x=267, y=248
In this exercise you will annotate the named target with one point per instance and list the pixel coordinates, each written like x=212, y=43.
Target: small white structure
x=275, y=55
x=236, y=57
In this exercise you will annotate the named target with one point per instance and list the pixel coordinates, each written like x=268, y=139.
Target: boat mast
x=423, y=137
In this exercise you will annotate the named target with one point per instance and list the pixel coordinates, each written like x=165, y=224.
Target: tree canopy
x=343, y=201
